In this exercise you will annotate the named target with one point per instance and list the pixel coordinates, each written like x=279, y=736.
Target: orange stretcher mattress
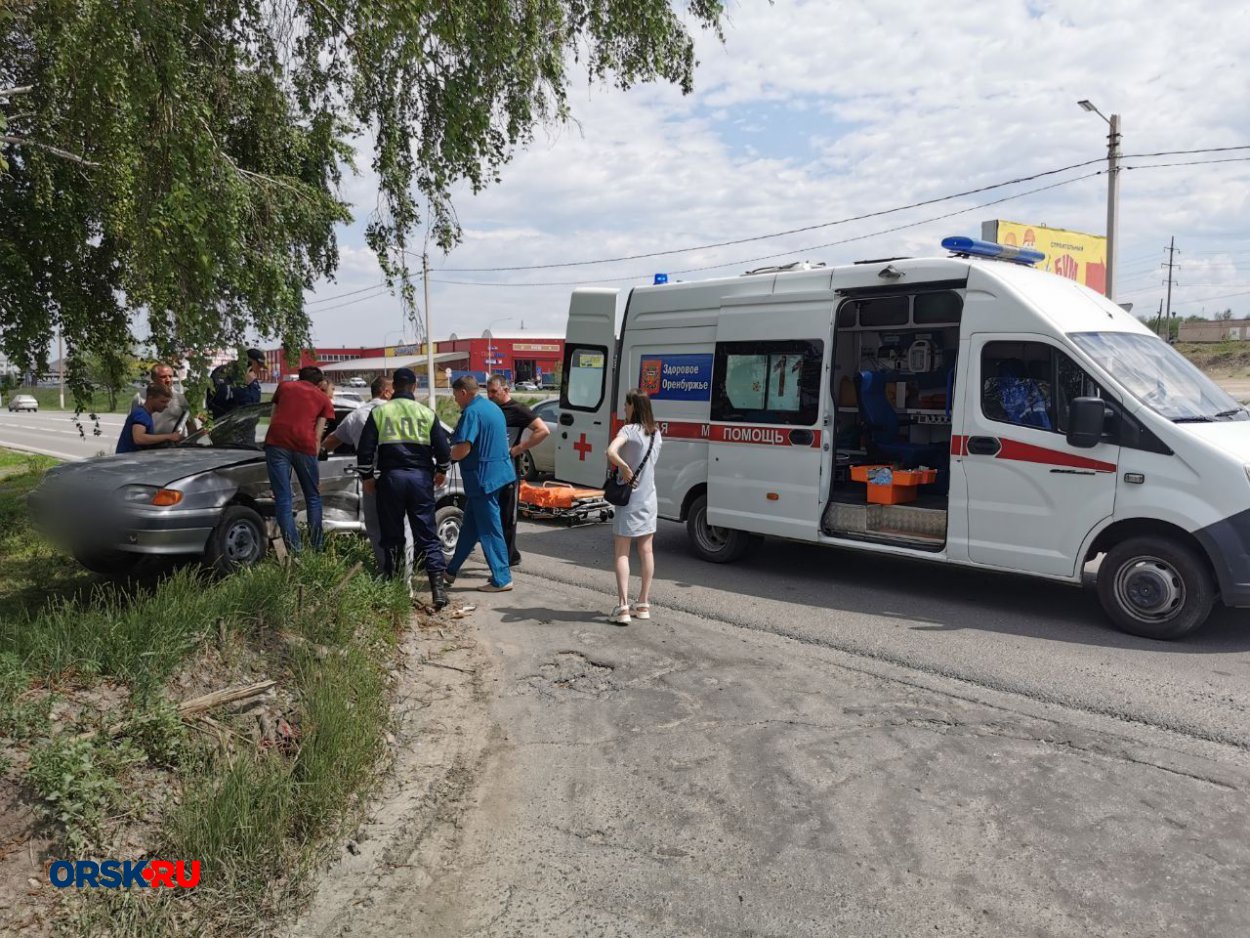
x=554, y=494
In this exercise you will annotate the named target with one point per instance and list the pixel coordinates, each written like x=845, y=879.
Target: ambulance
x=966, y=409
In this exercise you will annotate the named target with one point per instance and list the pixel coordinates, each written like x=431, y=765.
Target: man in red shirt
x=300, y=412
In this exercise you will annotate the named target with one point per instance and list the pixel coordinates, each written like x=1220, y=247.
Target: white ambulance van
x=966, y=409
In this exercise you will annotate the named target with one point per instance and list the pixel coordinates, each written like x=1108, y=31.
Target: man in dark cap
x=226, y=391
x=404, y=455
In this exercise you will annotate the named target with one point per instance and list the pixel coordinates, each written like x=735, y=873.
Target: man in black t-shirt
x=519, y=419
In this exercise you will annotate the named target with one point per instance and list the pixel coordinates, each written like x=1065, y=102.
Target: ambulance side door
x=1032, y=497
x=766, y=433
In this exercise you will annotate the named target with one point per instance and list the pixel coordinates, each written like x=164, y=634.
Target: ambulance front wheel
x=1156, y=587
x=718, y=545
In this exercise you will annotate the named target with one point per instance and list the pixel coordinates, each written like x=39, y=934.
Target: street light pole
x=1113, y=190
x=490, y=344
x=429, y=330
x=386, y=358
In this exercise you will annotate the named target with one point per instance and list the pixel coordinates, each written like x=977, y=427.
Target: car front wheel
x=448, y=521
x=529, y=472
x=239, y=540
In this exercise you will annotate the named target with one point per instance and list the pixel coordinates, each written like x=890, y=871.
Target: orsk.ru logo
x=123, y=874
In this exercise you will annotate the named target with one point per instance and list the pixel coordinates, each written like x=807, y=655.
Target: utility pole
x=1113, y=200
x=429, y=329
x=1170, y=265
x=60, y=364
x=1113, y=190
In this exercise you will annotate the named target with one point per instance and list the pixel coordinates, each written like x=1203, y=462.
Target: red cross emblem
x=582, y=448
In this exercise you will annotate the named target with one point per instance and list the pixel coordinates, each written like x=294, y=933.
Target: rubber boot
x=438, y=591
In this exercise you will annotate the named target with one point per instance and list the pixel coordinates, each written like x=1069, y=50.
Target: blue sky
x=815, y=111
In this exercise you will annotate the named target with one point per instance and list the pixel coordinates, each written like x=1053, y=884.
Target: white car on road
x=542, y=458
x=23, y=402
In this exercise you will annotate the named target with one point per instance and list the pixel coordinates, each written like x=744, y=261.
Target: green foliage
x=77, y=781
x=185, y=158
x=22, y=714
x=155, y=727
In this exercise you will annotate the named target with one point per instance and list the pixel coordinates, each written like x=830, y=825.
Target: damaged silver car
x=208, y=496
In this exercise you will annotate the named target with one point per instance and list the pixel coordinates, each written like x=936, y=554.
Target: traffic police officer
x=405, y=446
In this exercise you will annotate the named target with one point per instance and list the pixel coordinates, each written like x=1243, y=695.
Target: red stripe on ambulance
x=1027, y=452
x=722, y=433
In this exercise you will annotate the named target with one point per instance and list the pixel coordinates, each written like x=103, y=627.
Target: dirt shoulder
x=687, y=777
x=438, y=747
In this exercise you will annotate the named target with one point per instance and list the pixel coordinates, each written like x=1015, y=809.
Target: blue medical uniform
x=486, y=470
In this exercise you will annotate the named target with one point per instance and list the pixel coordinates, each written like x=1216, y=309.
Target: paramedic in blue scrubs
x=480, y=445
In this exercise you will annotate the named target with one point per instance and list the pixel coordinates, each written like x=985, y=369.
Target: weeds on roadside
x=77, y=781
x=245, y=810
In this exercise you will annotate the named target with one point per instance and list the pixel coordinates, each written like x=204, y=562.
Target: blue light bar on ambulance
x=972, y=247
x=660, y=278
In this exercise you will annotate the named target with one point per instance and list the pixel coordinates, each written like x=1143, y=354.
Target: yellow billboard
x=1072, y=254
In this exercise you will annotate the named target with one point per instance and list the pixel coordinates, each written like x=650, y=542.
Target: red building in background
x=521, y=358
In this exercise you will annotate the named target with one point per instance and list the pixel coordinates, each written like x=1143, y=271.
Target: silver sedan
x=542, y=458
x=208, y=497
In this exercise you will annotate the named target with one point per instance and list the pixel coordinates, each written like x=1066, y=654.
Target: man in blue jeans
x=300, y=413
x=480, y=445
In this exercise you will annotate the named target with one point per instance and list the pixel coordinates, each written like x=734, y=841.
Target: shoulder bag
x=617, y=492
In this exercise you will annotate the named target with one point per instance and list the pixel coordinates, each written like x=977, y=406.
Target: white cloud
x=813, y=111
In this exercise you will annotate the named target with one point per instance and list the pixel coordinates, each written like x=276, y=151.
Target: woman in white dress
x=635, y=523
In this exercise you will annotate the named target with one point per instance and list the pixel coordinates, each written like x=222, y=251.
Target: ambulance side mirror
x=1086, y=418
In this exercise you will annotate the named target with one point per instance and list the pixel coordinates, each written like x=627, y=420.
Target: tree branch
x=14, y=92
x=56, y=151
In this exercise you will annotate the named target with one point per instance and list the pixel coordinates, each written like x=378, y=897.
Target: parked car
x=357, y=382
x=526, y=386
x=23, y=402
x=208, y=497
x=346, y=400
x=542, y=458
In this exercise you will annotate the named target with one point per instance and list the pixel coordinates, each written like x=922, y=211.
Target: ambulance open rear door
x=586, y=390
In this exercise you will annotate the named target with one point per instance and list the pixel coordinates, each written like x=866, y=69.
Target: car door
x=544, y=454
x=1032, y=497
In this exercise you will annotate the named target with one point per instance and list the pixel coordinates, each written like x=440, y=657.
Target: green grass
x=90, y=674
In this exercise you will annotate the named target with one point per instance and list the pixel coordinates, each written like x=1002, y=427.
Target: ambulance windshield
x=1159, y=376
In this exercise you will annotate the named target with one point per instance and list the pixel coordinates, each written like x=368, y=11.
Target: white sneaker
x=620, y=616
x=640, y=610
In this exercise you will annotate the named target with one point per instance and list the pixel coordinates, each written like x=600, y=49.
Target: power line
x=775, y=234
x=337, y=296
x=362, y=299
x=751, y=260
x=842, y=221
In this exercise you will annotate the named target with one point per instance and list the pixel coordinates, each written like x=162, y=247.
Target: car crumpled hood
x=157, y=467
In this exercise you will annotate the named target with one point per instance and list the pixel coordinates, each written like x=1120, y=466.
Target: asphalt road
x=54, y=432
x=1044, y=641
x=731, y=774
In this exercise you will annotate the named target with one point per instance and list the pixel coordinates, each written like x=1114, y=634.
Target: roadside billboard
x=1072, y=254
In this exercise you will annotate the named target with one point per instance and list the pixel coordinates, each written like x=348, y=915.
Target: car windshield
x=1159, y=376
x=242, y=428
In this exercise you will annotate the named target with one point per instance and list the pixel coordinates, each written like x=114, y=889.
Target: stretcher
x=560, y=501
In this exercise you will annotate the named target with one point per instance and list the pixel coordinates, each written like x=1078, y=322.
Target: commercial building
x=1216, y=330
x=520, y=357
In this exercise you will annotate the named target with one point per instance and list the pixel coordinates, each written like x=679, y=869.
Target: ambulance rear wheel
x=1156, y=587
x=712, y=543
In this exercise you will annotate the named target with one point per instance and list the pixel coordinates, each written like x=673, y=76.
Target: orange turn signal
x=772, y=496
x=166, y=497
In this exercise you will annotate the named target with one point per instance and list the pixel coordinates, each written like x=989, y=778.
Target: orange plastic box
x=902, y=488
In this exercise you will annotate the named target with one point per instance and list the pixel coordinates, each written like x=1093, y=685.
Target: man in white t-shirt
x=167, y=420
x=347, y=433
